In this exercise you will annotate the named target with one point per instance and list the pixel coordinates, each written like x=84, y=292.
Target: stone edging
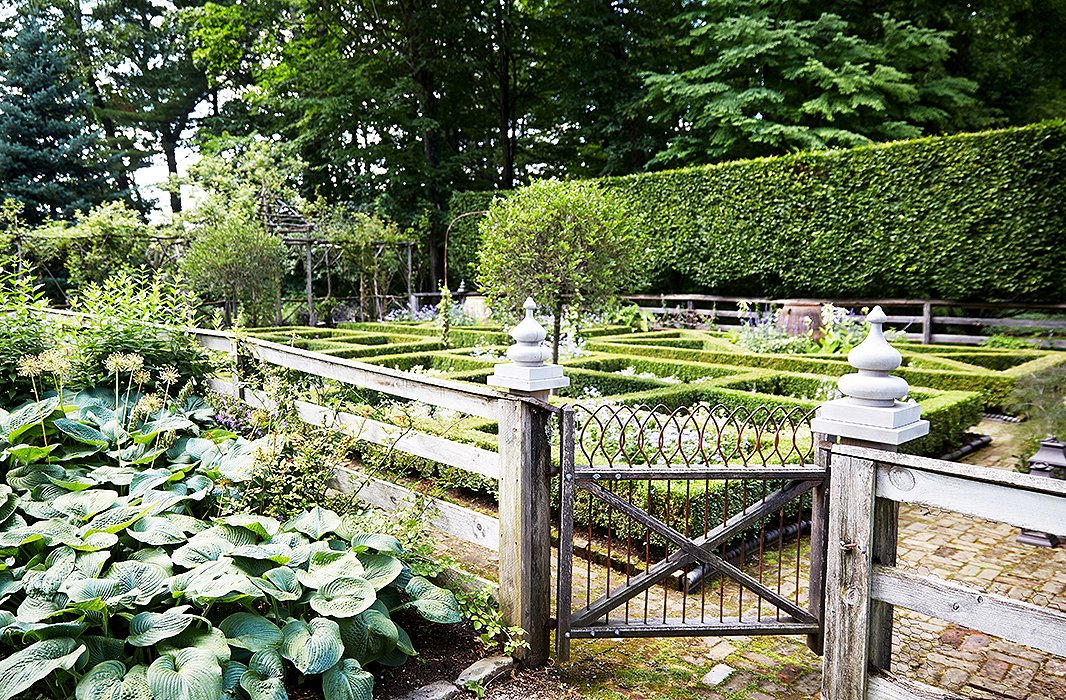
x=480, y=672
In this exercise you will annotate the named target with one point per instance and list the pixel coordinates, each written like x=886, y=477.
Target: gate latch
x=852, y=546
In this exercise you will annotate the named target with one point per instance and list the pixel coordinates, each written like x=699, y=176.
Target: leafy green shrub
x=1006, y=341
x=565, y=244
x=118, y=577
x=23, y=331
x=139, y=312
x=955, y=217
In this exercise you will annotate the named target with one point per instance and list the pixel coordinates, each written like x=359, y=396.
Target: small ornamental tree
x=566, y=244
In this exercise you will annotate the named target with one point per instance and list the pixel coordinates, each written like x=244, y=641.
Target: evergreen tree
x=49, y=153
x=768, y=84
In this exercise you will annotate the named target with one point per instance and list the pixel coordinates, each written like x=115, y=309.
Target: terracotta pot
x=797, y=316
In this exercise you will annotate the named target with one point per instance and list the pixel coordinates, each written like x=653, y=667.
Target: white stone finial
x=528, y=369
x=870, y=410
x=874, y=358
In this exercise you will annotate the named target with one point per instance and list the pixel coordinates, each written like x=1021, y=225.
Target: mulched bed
x=444, y=651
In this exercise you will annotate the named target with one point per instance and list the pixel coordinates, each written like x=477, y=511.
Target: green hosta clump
x=118, y=578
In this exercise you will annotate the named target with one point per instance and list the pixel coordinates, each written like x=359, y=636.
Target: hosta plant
x=119, y=579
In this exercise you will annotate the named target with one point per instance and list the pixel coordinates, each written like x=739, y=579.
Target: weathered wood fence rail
x=863, y=481
x=925, y=326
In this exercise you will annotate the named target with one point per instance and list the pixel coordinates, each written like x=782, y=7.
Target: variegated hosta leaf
x=280, y=583
x=22, y=669
x=201, y=550
x=187, y=523
x=232, y=672
x=114, y=520
x=432, y=602
x=35, y=608
x=154, y=556
x=380, y=569
x=9, y=500
x=126, y=584
x=95, y=542
x=9, y=585
x=251, y=632
x=186, y=674
x=25, y=477
x=30, y=413
x=265, y=677
x=315, y=522
x=117, y=476
x=41, y=510
x=156, y=531
x=212, y=640
x=81, y=432
x=99, y=649
x=276, y=553
x=386, y=544
x=347, y=681
x=110, y=681
x=85, y=504
x=49, y=630
x=328, y=566
x=343, y=597
x=28, y=454
x=214, y=581
x=91, y=564
x=262, y=526
x=369, y=635
x=147, y=479
x=148, y=628
x=312, y=647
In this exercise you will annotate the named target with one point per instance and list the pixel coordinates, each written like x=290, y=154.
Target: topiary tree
x=569, y=245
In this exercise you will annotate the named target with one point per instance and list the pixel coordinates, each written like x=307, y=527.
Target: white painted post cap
x=871, y=409
x=528, y=369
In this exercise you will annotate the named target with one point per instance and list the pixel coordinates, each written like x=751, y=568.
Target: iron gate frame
x=799, y=481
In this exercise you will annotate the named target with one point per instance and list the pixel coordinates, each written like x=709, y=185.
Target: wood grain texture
x=888, y=687
x=525, y=525
x=434, y=447
x=464, y=523
x=1024, y=623
x=1005, y=503
x=848, y=574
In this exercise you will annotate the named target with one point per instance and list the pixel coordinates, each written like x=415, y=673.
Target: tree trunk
x=506, y=100
x=557, y=330
x=169, y=142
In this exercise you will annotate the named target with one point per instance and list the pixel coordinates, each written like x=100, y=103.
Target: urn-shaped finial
x=874, y=358
x=529, y=336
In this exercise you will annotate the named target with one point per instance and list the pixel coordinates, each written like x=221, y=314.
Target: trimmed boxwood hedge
x=957, y=217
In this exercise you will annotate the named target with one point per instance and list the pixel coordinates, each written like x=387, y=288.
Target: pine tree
x=50, y=156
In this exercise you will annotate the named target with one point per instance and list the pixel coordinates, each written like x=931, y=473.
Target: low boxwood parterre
x=122, y=576
x=675, y=369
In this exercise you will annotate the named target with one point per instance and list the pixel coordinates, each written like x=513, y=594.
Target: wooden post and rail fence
x=853, y=580
x=922, y=320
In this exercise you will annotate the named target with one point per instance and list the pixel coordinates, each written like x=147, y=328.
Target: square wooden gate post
x=862, y=528
x=525, y=463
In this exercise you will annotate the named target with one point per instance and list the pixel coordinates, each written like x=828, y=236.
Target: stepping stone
x=441, y=690
x=485, y=671
x=717, y=674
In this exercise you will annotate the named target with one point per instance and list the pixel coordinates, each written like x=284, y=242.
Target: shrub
x=955, y=217
x=565, y=244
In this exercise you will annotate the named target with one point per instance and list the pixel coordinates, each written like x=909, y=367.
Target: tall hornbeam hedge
x=966, y=217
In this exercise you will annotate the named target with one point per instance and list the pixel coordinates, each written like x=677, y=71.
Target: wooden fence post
x=525, y=461
x=870, y=415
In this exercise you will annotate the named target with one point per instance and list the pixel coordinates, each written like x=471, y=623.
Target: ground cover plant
x=124, y=573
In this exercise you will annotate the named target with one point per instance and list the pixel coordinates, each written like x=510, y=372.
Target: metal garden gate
x=689, y=521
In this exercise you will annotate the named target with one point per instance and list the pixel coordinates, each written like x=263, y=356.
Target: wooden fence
x=923, y=320
x=520, y=534
x=862, y=583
